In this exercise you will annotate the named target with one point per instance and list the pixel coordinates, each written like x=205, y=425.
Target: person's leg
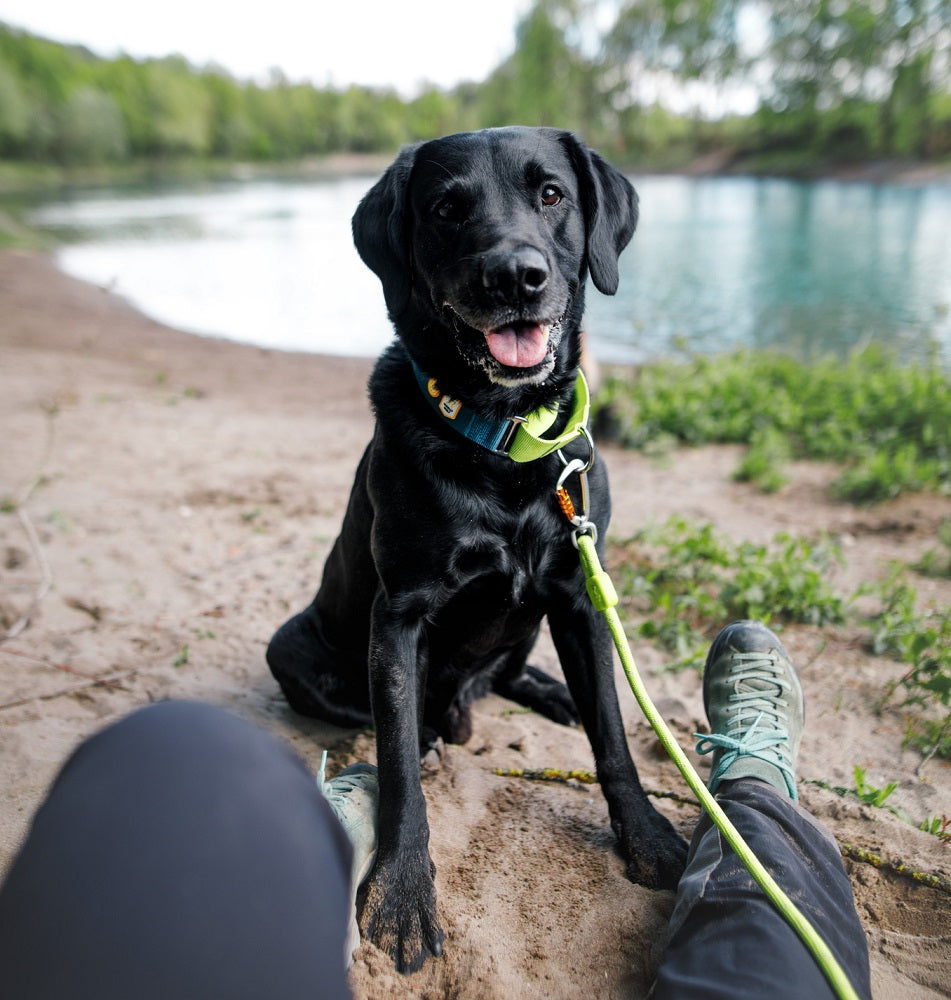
x=180, y=853
x=726, y=938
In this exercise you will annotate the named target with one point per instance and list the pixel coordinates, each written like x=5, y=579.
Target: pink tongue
x=522, y=347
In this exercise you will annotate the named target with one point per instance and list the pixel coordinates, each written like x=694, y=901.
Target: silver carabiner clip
x=575, y=465
x=589, y=464
x=579, y=520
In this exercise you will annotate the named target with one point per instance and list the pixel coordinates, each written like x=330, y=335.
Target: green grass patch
x=936, y=561
x=765, y=462
x=921, y=640
x=682, y=581
x=887, y=422
x=687, y=580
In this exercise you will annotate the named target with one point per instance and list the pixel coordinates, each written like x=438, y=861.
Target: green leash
x=604, y=598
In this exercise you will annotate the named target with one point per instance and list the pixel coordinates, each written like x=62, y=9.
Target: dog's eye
x=449, y=209
x=550, y=195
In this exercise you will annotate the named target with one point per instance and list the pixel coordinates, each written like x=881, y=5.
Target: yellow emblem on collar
x=447, y=406
x=450, y=407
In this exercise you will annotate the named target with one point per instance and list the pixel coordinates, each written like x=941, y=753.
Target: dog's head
x=483, y=241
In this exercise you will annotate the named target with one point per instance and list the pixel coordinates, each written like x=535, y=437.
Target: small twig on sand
x=547, y=774
x=112, y=681
x=46, y=578
x=17, y=506
x=58, y=666
x=939, y=739
x=896, y=867
x=553, y=774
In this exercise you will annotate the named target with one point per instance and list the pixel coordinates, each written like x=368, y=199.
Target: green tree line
x=822, y=79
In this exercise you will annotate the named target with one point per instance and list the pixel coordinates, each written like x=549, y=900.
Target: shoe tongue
x=521, y=346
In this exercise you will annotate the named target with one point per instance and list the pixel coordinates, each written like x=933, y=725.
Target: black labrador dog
x=451, y=553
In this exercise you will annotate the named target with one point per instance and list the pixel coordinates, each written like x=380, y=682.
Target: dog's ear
x=609, y=203
x=379, y=231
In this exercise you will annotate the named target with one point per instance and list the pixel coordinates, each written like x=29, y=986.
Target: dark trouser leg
x=180, y=853
x=727, y=940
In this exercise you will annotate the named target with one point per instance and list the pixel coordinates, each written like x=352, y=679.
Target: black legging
x=181, y=854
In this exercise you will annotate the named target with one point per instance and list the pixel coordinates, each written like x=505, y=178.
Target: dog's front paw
x=656, y=854
x=399, y=912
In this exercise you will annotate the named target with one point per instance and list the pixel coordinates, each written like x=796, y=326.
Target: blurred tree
x=845, y=76
x=14, y=113
x=231, y=129
x=664, y=41
x=431, y=114
x=45, y=73
x=91, y=129
x=687, y=37
x=289, y=117
x=179, y=108
x=47, y=68
x=837, y=55
x=127, y=82
x=371, y=120
x=548, y=80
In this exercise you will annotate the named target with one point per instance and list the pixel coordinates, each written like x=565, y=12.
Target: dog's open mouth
x=517, y=352
x=519, y=344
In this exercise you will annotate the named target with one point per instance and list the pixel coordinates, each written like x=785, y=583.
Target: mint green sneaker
x=754, y=703
x=354, y=796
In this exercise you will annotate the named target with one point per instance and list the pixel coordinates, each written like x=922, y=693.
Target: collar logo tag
x=449, y=407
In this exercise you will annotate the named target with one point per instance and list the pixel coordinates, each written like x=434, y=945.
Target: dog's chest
x=507, y=567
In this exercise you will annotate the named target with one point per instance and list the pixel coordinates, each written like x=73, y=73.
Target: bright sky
x=399, y=43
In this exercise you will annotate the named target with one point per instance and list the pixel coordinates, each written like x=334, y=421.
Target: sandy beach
x=169, y=500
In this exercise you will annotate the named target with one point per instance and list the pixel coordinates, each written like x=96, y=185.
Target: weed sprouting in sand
x=938, y=826
x=877, y=798
x=868, y=793
x=936, y=561
x=921, y=640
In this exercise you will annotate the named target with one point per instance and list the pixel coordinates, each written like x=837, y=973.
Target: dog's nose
x=520, y=273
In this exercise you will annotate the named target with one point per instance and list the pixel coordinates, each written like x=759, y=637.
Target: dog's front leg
x=399, y=910
x=654, y=852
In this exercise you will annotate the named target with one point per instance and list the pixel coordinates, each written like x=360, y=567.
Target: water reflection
x=807, y=267
x=810, y=268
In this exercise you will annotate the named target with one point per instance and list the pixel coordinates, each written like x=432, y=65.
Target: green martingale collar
x=522, y=439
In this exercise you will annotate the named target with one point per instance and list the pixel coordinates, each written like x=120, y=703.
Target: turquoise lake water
x=716, y=263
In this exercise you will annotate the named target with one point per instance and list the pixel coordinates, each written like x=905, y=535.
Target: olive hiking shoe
x=754, y=703
x=354, y=795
